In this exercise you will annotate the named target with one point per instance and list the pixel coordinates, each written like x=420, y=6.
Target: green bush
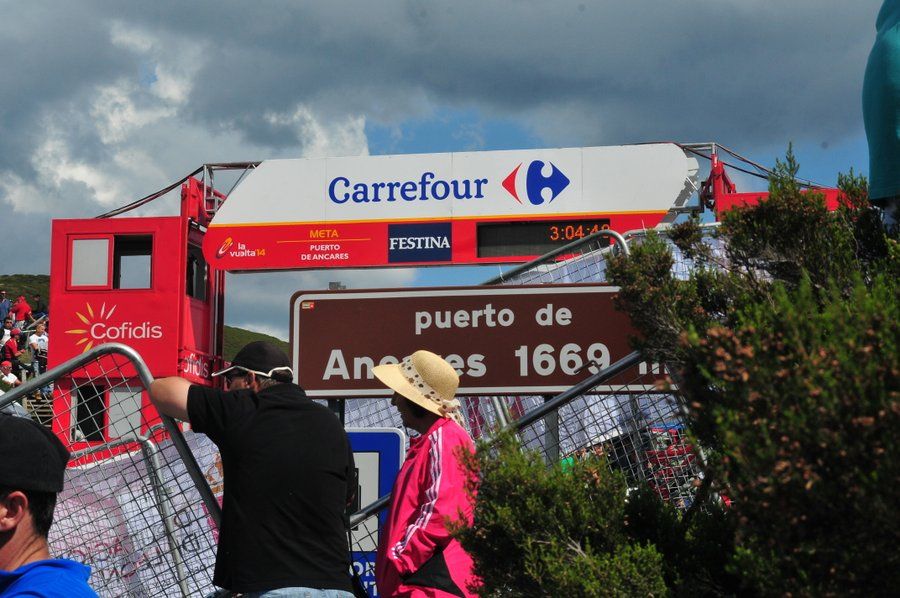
x=807, y=412
x=697, y=546
x=554, y=531
x=25, y=284
x=785, y=350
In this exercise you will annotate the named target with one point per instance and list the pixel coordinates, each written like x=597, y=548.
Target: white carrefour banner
x=514, y=183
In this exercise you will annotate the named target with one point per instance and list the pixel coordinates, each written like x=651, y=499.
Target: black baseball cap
x=260, y=357
x=31, y=456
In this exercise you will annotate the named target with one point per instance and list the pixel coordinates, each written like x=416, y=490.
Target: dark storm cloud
x=53, y=56
x=613, y=71
x=745, y=71
x=253, y=80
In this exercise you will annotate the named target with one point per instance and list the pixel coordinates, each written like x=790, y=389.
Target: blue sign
x=428, y=242
x=378, y=454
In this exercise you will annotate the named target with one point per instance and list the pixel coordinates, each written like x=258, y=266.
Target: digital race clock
x=533, y=238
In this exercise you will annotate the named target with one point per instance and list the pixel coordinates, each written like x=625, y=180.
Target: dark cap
x=260, y=357
x=31, y=457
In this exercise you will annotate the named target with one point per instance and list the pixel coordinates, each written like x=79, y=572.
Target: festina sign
x=501, y=340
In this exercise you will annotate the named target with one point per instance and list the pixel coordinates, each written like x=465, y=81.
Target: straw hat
x=425, y=379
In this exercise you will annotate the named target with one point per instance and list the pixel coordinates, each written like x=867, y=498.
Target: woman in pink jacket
x=416, y=555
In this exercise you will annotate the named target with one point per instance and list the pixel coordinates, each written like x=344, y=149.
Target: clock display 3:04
x=571, y=232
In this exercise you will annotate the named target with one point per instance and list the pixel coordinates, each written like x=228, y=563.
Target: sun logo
x=100, y=330
x=91, y=320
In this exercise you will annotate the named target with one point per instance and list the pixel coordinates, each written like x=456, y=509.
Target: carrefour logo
x=427, y=187
x=538, y=186
x=99, y=329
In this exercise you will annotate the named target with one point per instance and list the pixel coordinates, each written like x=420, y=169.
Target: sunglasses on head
x=239, y=370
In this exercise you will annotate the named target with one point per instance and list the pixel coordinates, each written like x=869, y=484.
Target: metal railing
x=597, y=242
x=136, y=506
x=531, y=418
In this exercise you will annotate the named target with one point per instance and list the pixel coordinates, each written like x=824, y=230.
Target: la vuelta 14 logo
x=538, y=186
x=233, y=248
x=100, y=329
x=224, y=247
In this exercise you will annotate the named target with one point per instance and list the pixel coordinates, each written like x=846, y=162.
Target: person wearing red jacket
x=21, y=311
x=416, y=554
x=11, y=351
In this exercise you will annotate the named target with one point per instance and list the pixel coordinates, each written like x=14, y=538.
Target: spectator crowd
x=24, y=339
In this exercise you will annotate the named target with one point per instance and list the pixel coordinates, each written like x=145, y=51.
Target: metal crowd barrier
x=136, y=506
x=619, y=425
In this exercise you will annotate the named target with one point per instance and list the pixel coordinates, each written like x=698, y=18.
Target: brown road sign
x=501, y=340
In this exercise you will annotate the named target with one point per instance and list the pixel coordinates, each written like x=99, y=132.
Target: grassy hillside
x=235, y=338
x=25, y=284
x=29, y=284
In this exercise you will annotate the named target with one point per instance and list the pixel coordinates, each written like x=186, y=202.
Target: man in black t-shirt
x=287, y=466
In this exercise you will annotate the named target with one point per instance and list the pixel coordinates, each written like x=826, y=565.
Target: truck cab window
x=89, y=411
x=197, y=274
x=132, y=261
x=90, y=263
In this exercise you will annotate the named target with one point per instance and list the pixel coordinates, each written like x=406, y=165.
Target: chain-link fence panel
x=480, y=413
x=640, y=432
x=583, y=260
x=712, y=250
x=130, y=508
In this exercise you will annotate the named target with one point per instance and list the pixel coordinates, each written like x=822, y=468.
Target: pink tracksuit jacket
x=416, y=555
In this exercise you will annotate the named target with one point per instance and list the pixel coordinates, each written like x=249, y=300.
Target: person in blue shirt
x=32, y=465
x=4, y=305
x=881, y=112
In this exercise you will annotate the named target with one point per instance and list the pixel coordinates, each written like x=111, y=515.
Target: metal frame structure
x=638, y=433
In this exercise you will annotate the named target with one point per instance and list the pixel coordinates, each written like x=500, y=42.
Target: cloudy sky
x=104, y=102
